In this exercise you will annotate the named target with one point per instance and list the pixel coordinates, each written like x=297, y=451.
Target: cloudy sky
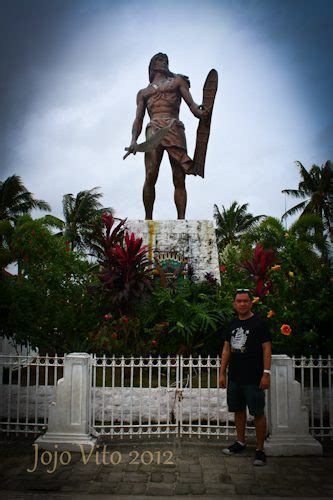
x=71, y=69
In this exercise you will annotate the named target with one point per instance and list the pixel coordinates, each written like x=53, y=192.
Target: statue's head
x=159, y=62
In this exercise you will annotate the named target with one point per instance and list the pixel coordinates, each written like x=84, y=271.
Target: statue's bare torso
x=163, y=99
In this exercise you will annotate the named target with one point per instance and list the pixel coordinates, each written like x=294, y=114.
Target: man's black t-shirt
x=246, y=360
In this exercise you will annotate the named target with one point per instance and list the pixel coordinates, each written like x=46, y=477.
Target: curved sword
x=151, y=143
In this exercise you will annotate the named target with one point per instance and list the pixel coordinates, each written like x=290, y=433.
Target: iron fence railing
x=161, y=396
x=315, y=376
x=27, y=387
x=148, y=396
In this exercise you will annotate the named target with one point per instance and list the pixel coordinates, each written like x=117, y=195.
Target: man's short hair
x=243, y=290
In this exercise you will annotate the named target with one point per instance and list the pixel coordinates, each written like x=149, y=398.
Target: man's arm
x=186, y=95
x=267, y=355
x=225, y=357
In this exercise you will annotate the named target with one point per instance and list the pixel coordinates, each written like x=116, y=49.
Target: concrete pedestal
x=68, y=424
x=195, y=240
x=288, y=418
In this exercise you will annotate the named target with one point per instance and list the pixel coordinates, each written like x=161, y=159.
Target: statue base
x=193, y=240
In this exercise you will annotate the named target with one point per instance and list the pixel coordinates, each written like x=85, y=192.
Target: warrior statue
x=162, y=99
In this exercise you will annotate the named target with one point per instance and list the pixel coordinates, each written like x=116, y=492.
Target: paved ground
x=195, y=469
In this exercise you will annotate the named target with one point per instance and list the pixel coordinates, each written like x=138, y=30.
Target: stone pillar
x=288, y=418
x=68, y=422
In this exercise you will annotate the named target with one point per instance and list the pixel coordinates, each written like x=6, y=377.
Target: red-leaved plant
x=124, y=271
x=258, y=268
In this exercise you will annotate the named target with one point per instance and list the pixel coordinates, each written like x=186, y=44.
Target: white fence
x=173, y=395
x=27, y=387
x=147, y=396
x=315, y=377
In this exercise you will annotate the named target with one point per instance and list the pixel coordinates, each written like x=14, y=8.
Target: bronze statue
x=162, y=98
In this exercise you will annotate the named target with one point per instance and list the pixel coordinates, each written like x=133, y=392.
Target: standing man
x=162, y=99
x=247, y=351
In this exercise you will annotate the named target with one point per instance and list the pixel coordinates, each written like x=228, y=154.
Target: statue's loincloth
x=174, y=142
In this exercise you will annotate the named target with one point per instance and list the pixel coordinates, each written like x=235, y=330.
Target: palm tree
x=269, y=232
x=316, y=187
x=304, y=239
x=16, y=200
x=79, y=213
x=233, y=222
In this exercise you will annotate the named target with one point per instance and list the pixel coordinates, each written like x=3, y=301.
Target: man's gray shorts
x=241, y=396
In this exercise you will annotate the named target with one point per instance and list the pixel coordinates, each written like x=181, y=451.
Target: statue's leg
x=178, y=175
x=152, y=163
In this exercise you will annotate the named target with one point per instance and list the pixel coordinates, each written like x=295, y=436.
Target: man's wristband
x=267, y=371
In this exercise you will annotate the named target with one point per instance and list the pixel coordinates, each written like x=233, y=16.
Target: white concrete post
x=288, y=418
x=68, y=422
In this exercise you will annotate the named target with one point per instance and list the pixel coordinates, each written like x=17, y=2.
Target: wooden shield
x=209, y=92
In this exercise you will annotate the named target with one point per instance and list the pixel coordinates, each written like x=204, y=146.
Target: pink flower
x=107, y=317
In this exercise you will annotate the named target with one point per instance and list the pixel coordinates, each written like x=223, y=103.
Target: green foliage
x=316, y=187
x=233, y=222
x=196, y=314
x=16, y=200
x=80, y=215
x=6, y=256
x=302, y=301
x=60, y=302
x=48, y=303
x=300, y=283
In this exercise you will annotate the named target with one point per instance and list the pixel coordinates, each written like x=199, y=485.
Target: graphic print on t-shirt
x=238, y=339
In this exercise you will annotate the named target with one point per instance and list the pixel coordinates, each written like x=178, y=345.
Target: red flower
x=154, y=342
x=286, y=330
x=125, y=319
x=223, y=268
